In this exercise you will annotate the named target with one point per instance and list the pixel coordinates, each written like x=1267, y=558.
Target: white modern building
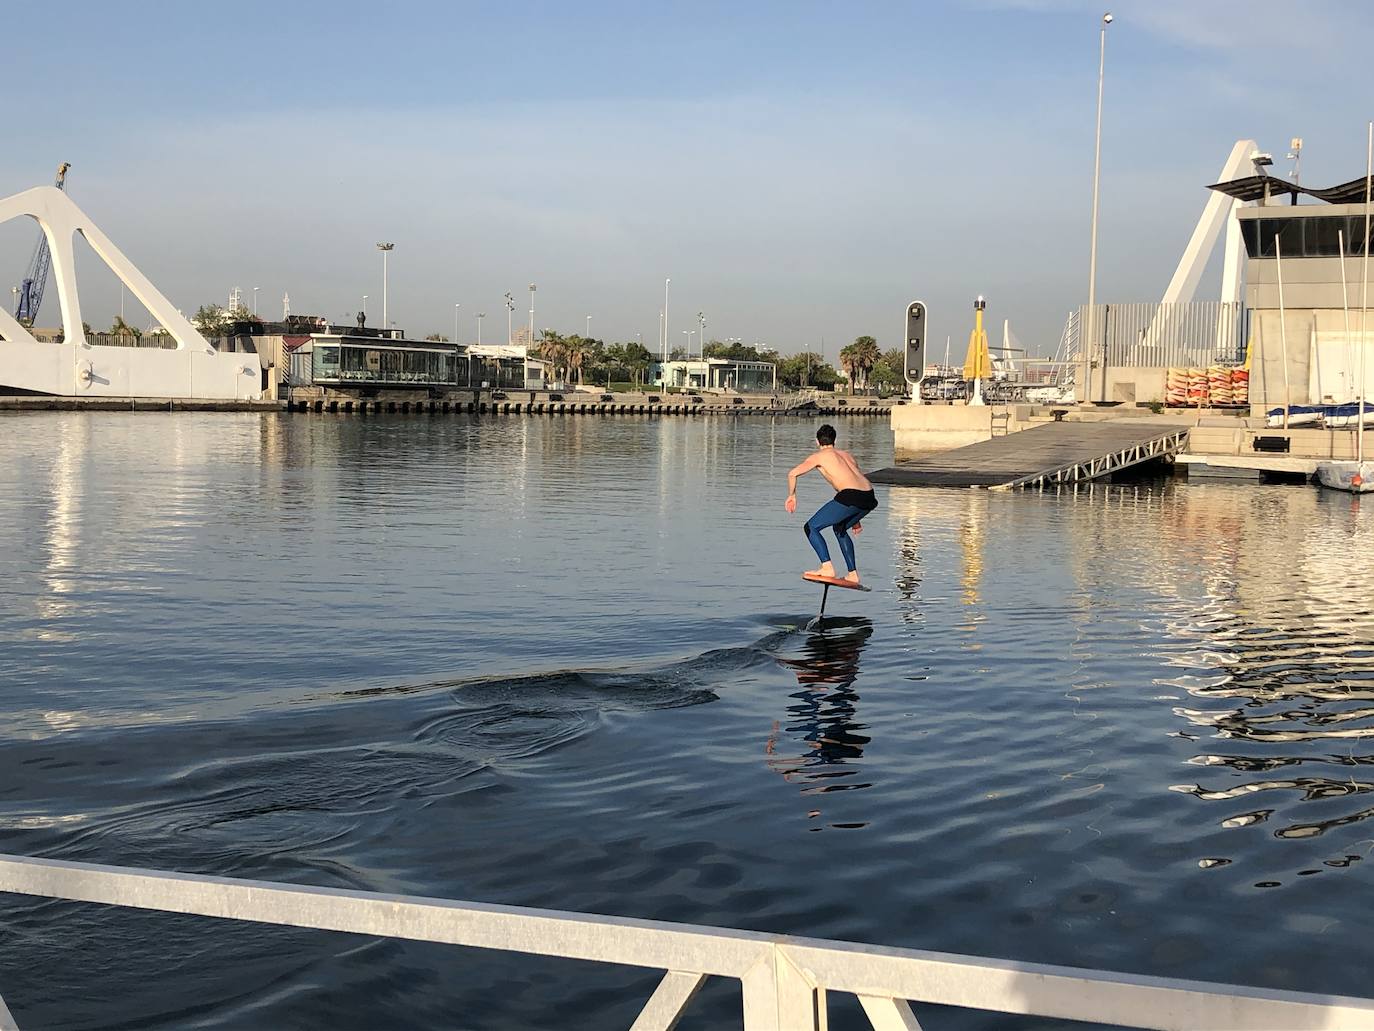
x=723, y=374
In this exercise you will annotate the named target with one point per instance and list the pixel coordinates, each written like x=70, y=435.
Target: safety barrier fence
x=784, y=979
x=1196, y=333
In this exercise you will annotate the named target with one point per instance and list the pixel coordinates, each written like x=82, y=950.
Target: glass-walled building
x=499, y=367
x=348, y=361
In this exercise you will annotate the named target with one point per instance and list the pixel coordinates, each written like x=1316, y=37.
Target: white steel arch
x=75, y=367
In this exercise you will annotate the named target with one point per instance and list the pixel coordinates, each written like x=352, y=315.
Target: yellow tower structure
x=978, y=360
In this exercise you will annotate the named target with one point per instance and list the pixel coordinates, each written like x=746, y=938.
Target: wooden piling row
x=365, y=407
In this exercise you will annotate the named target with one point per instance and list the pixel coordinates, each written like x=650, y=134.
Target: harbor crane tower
x=36, y=278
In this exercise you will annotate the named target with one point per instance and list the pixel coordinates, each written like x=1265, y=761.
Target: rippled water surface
x=562, y=662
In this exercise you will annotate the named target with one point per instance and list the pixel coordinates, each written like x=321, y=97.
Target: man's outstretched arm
x=800, y=469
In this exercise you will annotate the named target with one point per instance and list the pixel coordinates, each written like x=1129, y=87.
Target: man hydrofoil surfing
x=853, y=500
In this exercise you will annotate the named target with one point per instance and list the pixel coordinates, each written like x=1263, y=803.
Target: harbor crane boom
x=36, y=279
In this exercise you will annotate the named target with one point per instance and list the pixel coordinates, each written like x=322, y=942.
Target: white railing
x=1197, y=333
x=785, y=979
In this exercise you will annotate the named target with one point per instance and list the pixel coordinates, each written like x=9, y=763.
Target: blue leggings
x=842, y=518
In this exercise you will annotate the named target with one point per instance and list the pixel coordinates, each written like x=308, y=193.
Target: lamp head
x=1107, y=18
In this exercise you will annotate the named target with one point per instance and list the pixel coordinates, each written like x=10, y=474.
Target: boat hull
x=1351, y=477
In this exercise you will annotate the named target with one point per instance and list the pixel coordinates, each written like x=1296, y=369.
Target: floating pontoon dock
x=1061, y=452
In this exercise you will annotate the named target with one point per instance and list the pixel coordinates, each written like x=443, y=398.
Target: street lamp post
x=665, y=318
x=1091, y=346
x=455, y=322
x=510, y=312
x=255, y=300
x=480, y=316
x=364, y=306
x=701, y=339
x=530, y=341
x=587, y=333
x=385, y=248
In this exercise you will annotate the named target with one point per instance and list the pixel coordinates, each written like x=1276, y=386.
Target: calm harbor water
x=562, y=663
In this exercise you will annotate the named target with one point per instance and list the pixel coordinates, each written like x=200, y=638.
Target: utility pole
x=385, y=248
x=1092, y=254
x=665, y=318
x=510, y=312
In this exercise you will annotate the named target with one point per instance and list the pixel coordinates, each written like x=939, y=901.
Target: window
x=1312, y=237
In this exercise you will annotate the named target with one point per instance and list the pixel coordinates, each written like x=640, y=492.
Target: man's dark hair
x=825, y=435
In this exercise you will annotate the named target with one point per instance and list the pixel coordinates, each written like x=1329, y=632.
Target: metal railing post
x=779, y=997
x=889, y=1014
x=672, y=996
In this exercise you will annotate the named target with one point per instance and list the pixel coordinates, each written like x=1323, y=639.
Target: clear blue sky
x=800, y=170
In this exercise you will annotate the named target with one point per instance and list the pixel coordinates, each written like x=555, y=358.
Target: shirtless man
x=853, y=500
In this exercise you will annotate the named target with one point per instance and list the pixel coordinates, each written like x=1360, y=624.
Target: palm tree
x=849, y=362
x=864, y=355
x=553, y=348
x=577, y=350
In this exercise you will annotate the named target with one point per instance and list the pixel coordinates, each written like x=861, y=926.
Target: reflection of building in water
x=1266, y=631
x=822, y=719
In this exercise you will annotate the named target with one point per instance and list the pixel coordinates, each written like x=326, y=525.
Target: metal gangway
x=784, y=979
x=1059, y=452
x=804, y=399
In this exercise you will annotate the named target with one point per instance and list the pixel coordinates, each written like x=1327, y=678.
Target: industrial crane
x=31, y=289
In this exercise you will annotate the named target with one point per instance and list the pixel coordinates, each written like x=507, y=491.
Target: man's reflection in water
x=823, y=716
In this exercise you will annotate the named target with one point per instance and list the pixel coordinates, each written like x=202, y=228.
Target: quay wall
x=350, y=406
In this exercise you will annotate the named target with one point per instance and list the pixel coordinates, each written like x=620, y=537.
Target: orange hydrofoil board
x=833, y=581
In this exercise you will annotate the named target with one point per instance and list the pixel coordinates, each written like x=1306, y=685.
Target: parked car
x=607, y=397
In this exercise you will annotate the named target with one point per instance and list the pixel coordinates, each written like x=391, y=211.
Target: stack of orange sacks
x=1216, y=385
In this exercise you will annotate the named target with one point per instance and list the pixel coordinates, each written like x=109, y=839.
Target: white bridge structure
x=77, y=368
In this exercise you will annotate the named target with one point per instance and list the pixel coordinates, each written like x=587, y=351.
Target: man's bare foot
x=827, y=569
x=852, y=576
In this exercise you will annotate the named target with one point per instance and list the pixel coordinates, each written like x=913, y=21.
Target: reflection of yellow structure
x=972, y=531
x=977, y=360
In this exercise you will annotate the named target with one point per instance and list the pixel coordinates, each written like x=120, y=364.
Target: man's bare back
x=853, y=500
x=839, y=469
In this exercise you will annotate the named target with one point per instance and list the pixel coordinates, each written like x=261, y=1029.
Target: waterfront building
x=723, y=374
x=502, y=367
x=361, y=363
x=1304, y=344
x=1129, y=352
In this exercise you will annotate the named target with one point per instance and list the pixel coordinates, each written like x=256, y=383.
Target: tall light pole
x=587, y=334
x=480, y=316
x=455, y=322
x=665, y=318
x=530, y=342
x=701, y=339
x=385, y=248
x=510, y=312
x=1092, y=253
x=364, y=305
x=255, y=300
